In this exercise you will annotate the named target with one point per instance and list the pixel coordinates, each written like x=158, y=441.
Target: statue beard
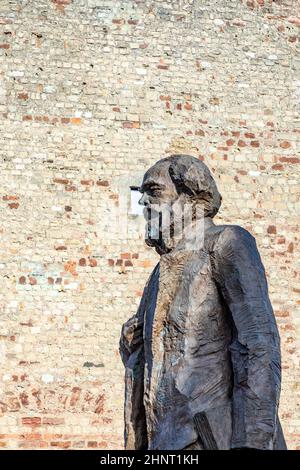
x=160, y=235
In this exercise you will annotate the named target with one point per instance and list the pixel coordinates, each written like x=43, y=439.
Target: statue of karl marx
x=202, y=353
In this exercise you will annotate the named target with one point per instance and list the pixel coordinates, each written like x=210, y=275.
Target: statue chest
x=183, y=308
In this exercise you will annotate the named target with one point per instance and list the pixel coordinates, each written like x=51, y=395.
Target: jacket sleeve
x=132, y=331
x=255, y=347
x=131, y=349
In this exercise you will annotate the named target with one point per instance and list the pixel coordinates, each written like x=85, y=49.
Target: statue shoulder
x=234, y=237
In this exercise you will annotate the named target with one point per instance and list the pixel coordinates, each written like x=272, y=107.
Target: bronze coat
x=204, y=339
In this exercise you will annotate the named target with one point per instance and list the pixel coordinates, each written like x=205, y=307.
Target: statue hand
x=132, y=334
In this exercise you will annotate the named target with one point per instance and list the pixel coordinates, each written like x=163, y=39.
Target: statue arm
x=132, y=330
x=255, y=347
x=132, y=353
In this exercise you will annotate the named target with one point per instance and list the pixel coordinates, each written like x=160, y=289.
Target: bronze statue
x=202, y=353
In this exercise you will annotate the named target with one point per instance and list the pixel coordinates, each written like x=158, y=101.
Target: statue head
x=168, y=187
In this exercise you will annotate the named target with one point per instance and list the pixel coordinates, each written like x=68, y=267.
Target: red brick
x=281, y=313
x=145, y=264
x=70, y=267
x=277, y=167
x=92, y=444
x=215, y=101
x=32, y=444
x=289, y=160
x=29, y=324
x=23, y=96
x=76, y=392
x=238, y=23
x=61, y=181
x=75, y=120
x=118, y=21
x=99, y=404
x=272, y=229
x=22, y=280
x=13, y=205
x=87, y=182
x=131, y=125
x=102, y=183
x=61, y=444
x=294, y=20
x=285, y=144
x=62, y=2
x=53, y=421
x=10, y=198
x=31, y=421
x=70, y=188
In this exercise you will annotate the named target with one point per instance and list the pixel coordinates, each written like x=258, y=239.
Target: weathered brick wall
x=91, y=93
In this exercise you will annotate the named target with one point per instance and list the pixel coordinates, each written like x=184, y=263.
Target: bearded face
x=160, y=198
x=179, y=194
x=164, y=209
